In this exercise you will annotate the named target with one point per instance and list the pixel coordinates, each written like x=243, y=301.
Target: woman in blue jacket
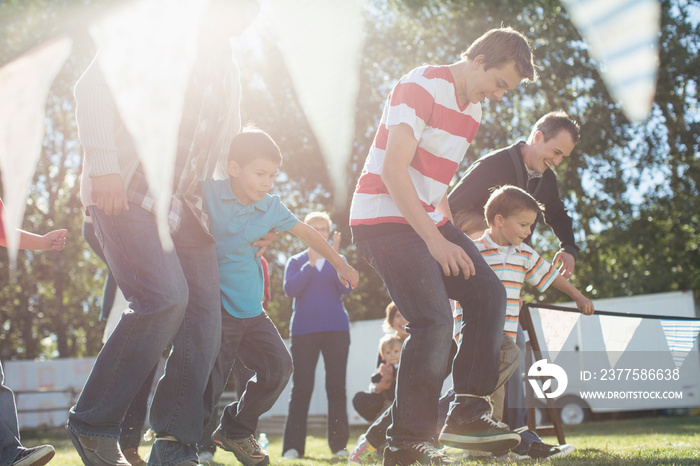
x=319, y=326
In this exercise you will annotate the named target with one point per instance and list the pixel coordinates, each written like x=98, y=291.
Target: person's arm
x=316, y=242
x=584, y=304
x=296, y=276
x=444, y=208
x=52, y=241
x=400, y=149
x=556, y=216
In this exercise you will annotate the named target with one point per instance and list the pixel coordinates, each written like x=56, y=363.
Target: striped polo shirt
x=426, y=100
x=513, y=266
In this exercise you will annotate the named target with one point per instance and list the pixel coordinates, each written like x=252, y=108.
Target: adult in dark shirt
x=527, y=165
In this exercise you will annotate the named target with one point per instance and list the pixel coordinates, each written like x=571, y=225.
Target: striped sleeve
x=411, y=103
x=541, y=274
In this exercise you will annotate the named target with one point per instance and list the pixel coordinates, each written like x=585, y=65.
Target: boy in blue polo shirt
x=241, y=211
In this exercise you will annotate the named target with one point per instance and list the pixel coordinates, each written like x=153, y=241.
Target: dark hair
x=508, y=200
x=552, y=123
x=253, y=143
x=499, y=46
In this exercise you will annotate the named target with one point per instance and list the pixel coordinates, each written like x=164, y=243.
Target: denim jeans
x=256, y=343
x=174, y=298
x=306, y=348
x=9, y=429
x=421, y=292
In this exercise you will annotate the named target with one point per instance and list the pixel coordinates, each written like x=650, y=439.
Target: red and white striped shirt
x=426, y=100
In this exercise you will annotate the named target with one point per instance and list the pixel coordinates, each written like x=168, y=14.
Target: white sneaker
x=341, y=453
x=291, y=454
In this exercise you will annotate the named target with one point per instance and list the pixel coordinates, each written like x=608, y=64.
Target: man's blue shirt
x=235, y=227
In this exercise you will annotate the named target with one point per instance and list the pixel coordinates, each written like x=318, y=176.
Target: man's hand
x=451, y=258
x=567, y=262
x=264, y=242
x=108, y=194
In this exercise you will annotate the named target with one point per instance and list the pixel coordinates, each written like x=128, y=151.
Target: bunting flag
x=146, y=53
x=24, y=88
x=681, y=336
x=556, y=327
x=617, y=334
x=623, y=40
x=321, y=41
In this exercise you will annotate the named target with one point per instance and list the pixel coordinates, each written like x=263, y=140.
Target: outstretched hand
x=264, y=242
x=54, y=240
x=348, y=276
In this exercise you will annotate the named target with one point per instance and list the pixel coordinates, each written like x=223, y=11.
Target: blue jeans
x=174, y=298
x=421, y=292
x=10, y=446
x=306, y=348
x=256, y=343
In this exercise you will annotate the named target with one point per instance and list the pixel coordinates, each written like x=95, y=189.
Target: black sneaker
x=539, y=450
x=423, y=453
x=483, y=433
x=246, y=449
x=37, y=456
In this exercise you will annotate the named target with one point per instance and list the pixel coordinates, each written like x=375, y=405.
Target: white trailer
x=640, y=353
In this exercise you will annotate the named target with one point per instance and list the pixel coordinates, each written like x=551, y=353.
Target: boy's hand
x=108, y=193
x=387, y=371
x=451, y=258
x=264, y=242
x=54, y=240
x=585, y=305
x=348, y=276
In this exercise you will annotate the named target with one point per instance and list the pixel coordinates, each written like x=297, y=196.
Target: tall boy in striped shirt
x=510, y=213
x=402, y=225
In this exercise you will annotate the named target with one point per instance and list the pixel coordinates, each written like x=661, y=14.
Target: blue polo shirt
x=235, y=227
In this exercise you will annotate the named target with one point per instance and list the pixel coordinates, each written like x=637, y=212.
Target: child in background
x=11, y=450
x=370, y=404
x=241, y=211
x=510, y=213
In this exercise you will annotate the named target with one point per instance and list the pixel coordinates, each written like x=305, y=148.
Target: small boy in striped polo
x=510, y=213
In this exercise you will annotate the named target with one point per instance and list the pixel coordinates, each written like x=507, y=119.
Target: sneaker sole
x=36, y=459
x=491, y=443
x=220, y=440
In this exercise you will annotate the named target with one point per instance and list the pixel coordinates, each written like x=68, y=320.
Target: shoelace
x=427, y=448
x=489, y=417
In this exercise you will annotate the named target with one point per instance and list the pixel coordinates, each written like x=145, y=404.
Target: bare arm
x=53, y=240
x=401, y=147
x=584, y=304
x=316, y=242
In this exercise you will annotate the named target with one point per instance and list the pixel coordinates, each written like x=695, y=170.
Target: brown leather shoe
x=132, y=456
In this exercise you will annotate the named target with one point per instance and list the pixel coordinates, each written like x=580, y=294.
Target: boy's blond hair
x=508, y=200
x=387, y=341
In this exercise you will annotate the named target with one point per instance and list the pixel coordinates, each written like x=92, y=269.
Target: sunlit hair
x=552, y=123
x=388, y=341
x=324, y=217
x=508, y=200
x=391, y=312
x=499, y=46
x=253, y=143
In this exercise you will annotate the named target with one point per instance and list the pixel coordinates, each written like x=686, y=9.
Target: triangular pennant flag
x=147, y=50
x=623, y=39
x=321, y=41
x=556, y=327
x=539, y=332
x=617, y=333
x=24, y=87
x=681, y=336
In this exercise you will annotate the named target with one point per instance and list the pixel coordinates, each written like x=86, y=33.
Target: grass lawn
x=641, y=441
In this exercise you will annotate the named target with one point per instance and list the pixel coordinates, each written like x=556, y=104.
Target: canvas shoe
x=98, y=451
x=342, y=453
x=539, y=450
x=483, y=433
x=423, y=453
x=37, y=456
x=291, y=454
x=364, y=453
x=246, y=449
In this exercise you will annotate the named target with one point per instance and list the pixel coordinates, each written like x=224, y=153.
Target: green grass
x=641, y=441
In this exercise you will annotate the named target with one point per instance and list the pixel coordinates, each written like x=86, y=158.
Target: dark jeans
x=257, y=344
x=306, y=348
x=10, y=446
x=174, y=299
x=421, y=291
x=370, y=405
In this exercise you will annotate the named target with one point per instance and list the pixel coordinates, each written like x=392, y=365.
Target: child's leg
x=507, y=365
x=262, y=350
